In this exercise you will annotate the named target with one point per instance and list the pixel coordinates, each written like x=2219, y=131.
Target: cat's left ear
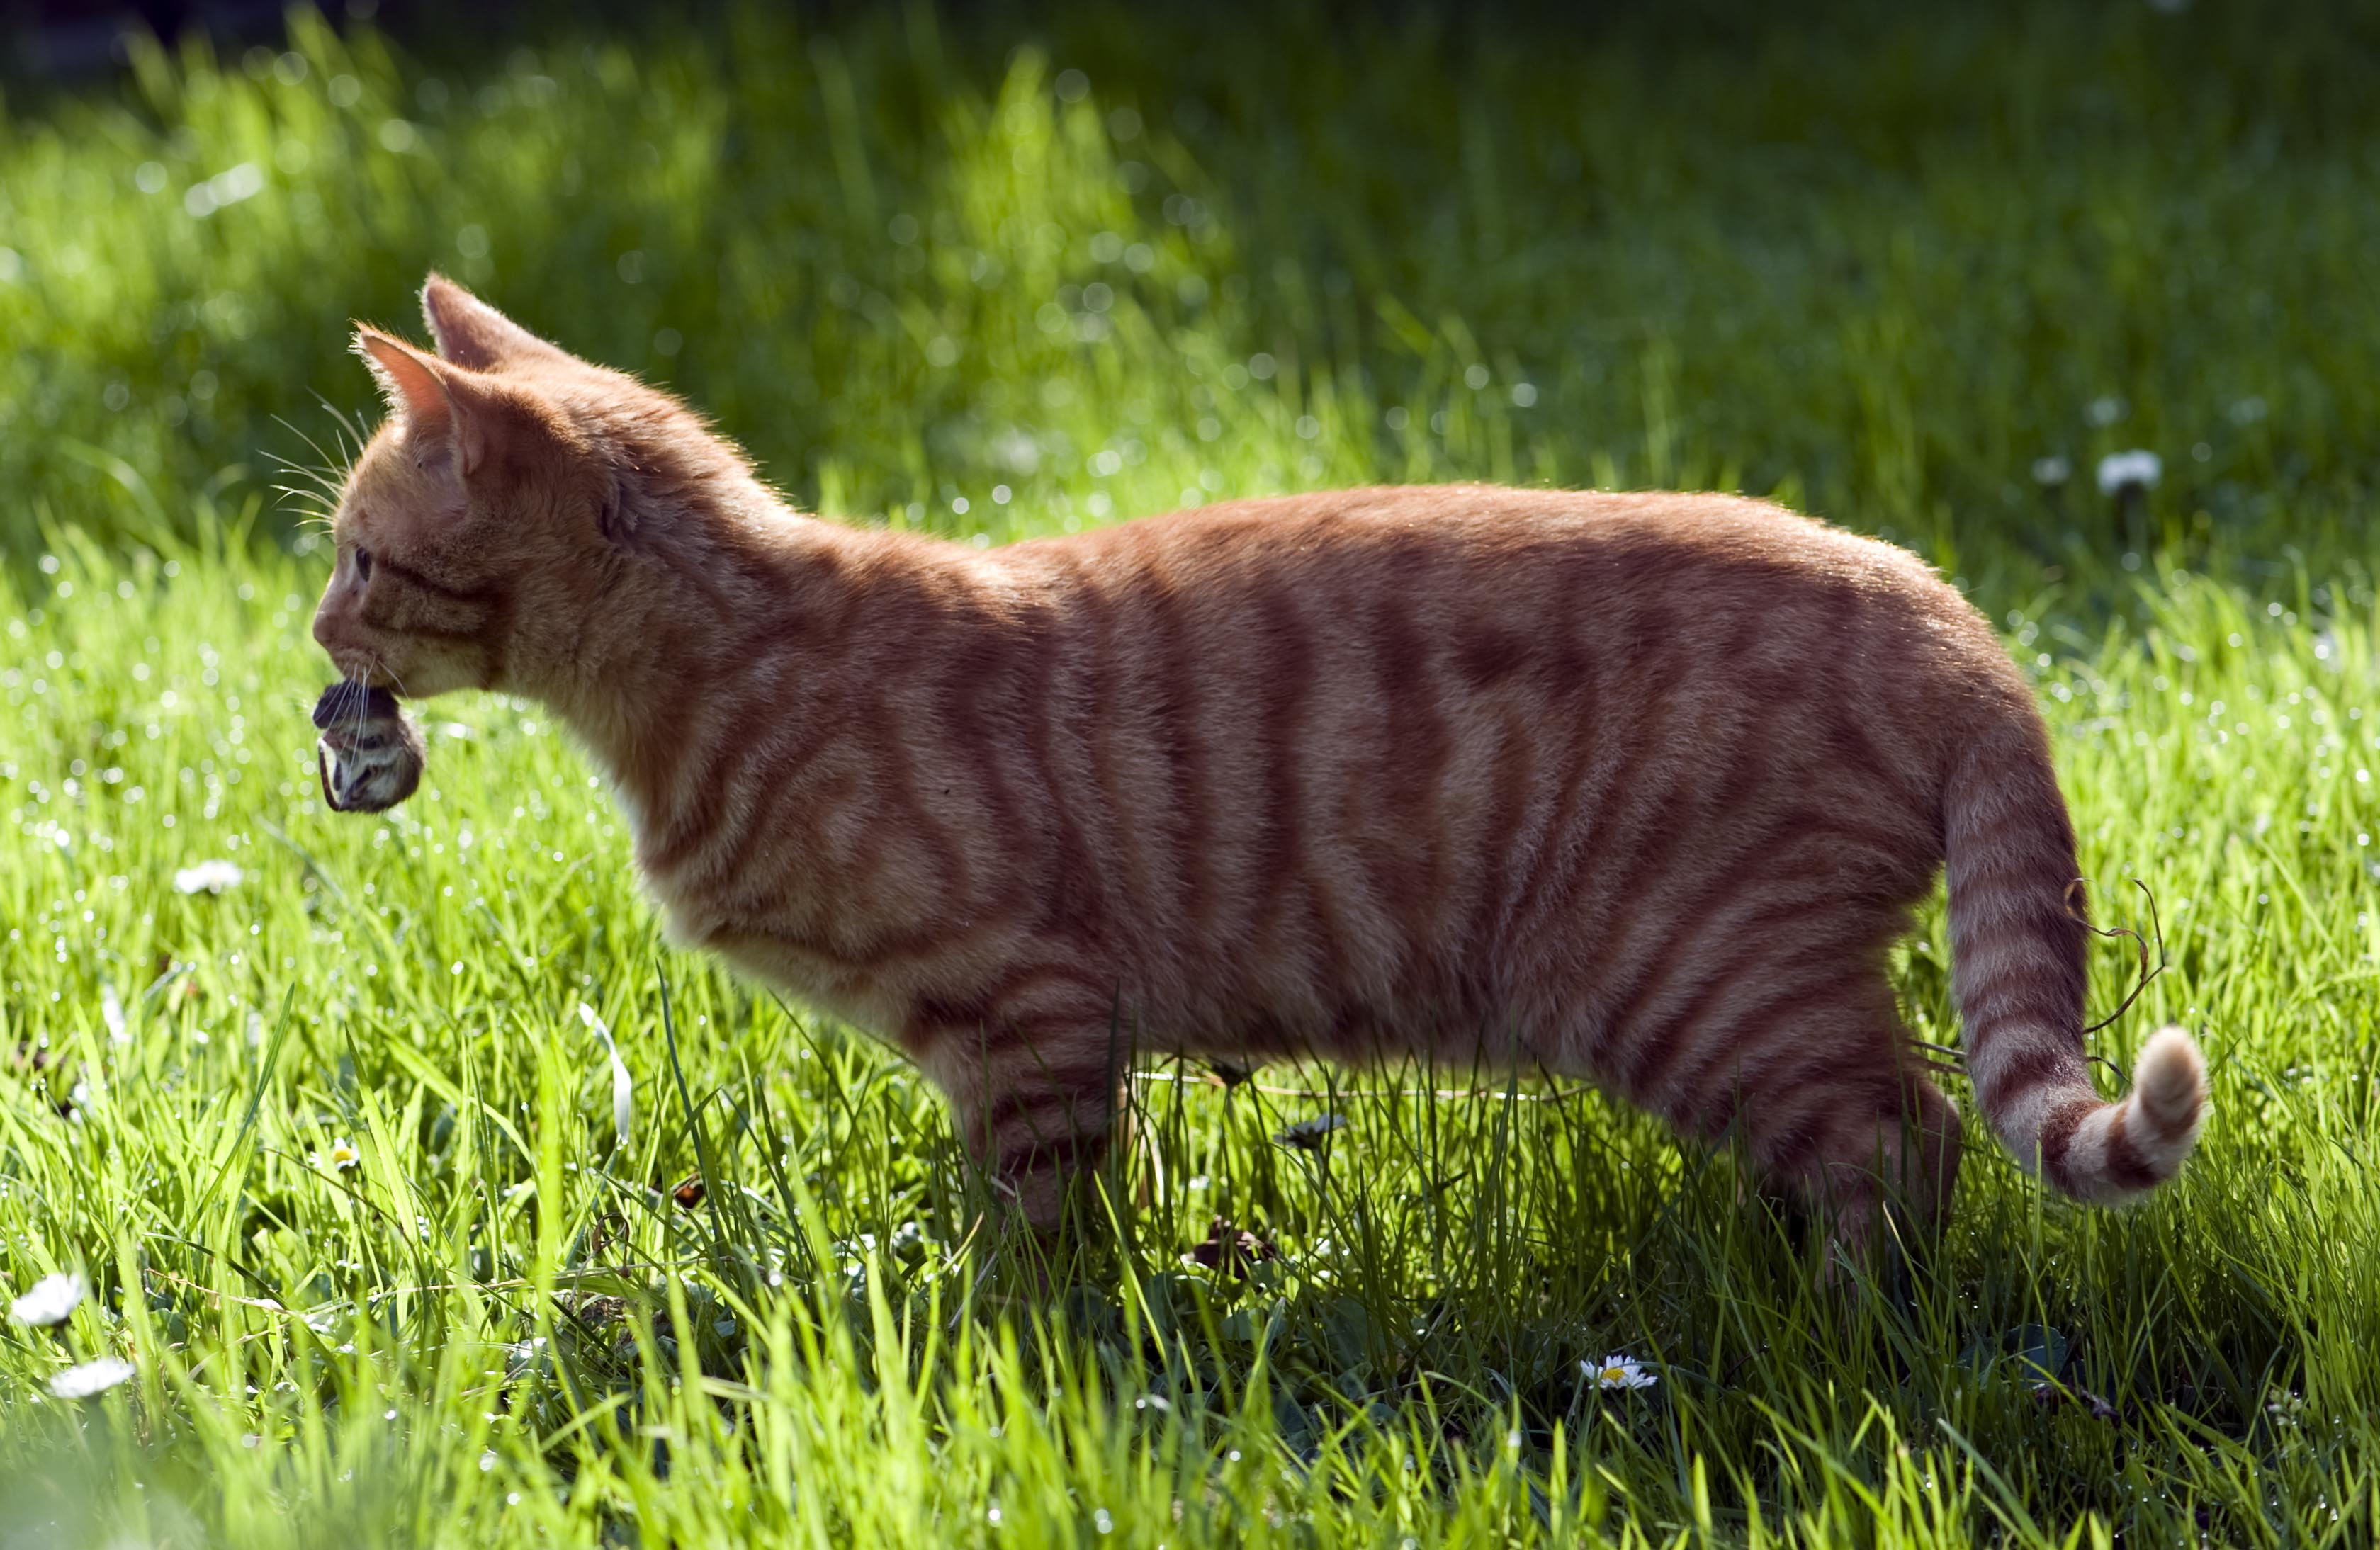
x=442, y=414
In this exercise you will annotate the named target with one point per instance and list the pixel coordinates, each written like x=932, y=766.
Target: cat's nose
x=334, y=628
x=338, y=640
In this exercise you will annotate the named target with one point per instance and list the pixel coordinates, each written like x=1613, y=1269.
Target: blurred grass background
x=334, y=1146
x=1880, y=261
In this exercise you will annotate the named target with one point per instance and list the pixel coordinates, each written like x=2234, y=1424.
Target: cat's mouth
x=368, y=758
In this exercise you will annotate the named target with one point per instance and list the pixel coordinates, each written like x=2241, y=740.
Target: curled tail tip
x=2169, y=1088
x=2113, y=1154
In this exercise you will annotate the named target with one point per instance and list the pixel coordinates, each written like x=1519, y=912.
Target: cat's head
x=486, y=522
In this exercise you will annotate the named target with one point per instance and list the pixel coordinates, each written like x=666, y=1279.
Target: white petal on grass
x=208, y=877
x=50, y=1301
x=2122, y=470
x=1619, y=1371
x=624, y=1088
x=95, y=1376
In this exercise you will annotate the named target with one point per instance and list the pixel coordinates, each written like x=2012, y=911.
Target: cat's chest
x=809, y=969
x=774, y=936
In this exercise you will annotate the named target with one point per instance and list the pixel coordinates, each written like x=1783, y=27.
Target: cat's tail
x=2017, y=941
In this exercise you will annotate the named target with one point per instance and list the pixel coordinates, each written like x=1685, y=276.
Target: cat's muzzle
x=368, y=756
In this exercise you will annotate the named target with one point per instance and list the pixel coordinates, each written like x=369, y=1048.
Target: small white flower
x=1619, y=1371
x=110, y=1011
x=95, y=1376
x=624, y=1088
x=50, y=1301
x=340, y=1157
x=1308, y=1134
x=208, y=877
x=2051, y=471
x=2122, y=470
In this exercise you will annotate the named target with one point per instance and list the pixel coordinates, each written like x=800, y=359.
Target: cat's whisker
x=317, y=487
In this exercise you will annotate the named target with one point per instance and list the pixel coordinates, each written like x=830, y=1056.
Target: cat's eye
x=363, y=564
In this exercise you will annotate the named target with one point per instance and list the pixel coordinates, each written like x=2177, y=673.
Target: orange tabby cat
x=1636, y=788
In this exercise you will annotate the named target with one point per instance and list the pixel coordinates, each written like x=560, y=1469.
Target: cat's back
x=1603, y=540
x=1499, y=578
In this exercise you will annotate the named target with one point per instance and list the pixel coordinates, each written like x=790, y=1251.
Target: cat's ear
x=469, y=331
x=441, y=413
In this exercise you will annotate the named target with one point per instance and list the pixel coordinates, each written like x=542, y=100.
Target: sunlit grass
x=335, y=1146
x=321, y=1339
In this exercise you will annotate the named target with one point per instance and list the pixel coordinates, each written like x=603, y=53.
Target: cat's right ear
x=439, y=412
x=469, y=331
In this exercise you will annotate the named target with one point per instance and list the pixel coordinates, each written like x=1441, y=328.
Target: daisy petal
x=208, y=877
x=95, y=1376
x=50, y=1300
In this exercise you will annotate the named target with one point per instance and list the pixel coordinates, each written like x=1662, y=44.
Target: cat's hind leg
x=1808, y=1069
x=1875, y=1155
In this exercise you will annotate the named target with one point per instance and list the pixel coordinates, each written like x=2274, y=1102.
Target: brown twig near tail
x=1945, y=1058
x=2139, y=944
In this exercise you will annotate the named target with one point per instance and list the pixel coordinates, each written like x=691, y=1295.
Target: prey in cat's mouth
x=368, y=756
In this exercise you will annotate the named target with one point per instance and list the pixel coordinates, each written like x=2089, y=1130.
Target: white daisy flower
x=208, y=877
x=1308, y=1134
x=2122, y=470
x=340, y=1157
x=96, y=1376
x=1619, y=1371
x=50, y=1301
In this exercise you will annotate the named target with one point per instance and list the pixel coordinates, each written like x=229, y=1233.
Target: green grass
x=1878, y=266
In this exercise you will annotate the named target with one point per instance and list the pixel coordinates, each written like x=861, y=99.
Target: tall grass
x=335, y=1146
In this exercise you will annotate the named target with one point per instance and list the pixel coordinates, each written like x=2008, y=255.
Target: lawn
x=322, y=1108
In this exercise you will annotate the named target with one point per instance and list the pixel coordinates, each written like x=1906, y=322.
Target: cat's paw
x=368, y=756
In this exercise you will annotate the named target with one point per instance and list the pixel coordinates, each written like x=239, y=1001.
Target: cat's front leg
x=1035, y=1101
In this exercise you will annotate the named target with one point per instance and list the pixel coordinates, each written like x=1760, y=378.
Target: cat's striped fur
x=1636, y=788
